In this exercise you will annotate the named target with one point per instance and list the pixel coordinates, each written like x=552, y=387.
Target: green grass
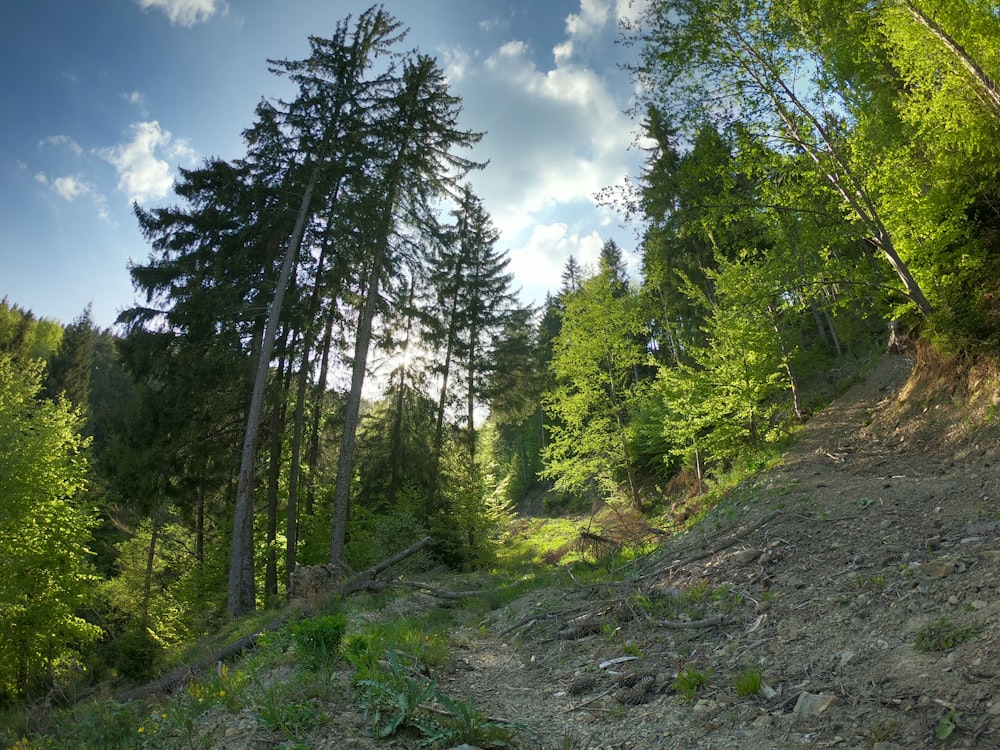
x=943, y=635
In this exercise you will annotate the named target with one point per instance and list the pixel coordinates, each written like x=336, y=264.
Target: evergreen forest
x=328, y=359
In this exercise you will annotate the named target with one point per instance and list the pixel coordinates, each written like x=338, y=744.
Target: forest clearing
x=330, y=482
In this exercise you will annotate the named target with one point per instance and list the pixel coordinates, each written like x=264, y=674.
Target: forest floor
x=858, y=579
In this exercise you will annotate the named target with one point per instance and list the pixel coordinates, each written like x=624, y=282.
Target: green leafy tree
x=595, y=358
x=45, y=578
x=24, y=335
x=755, y=63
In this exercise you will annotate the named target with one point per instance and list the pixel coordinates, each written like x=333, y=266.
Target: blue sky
x=106, y=98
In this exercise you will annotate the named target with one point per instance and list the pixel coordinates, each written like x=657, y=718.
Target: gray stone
x=813, y=704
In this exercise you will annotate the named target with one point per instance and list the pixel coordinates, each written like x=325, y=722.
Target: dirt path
x=878, y=533
x=884, y=533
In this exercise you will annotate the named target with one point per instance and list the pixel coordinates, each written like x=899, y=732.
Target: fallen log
x=365, y=578
x=172, y=679
x=440, y=593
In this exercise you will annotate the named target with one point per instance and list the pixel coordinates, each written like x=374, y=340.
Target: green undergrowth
x=354, y=655
x=299, y=680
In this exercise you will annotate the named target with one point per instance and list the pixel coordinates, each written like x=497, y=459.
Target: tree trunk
x=352, y=411
x=298, y=417
x=242, y=587
x=273, y=480
x=319, y=400
x=853, y=192
x=147, y=588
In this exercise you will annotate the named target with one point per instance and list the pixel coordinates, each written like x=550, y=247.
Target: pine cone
x=631, y=680
x=582, y=684
x=635, y=688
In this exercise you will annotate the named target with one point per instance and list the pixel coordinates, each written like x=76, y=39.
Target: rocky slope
x=846, y=599
x=858, y=579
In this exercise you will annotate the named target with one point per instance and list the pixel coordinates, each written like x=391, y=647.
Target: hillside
x=846, y=598
x=884, y=536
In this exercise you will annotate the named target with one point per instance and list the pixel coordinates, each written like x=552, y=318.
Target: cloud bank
x=556, y=135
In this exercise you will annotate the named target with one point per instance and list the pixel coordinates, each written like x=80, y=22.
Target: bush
x=318, y=639
x=137, y=654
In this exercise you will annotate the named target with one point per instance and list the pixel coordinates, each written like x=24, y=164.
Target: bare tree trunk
x=278, y=415
x=839, y=174
x=319, y=400
x=298, y=417
x=147, y=587
x=352, y=411
x=242, y=587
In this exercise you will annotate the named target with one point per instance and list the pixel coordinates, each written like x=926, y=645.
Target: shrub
x=318, y=639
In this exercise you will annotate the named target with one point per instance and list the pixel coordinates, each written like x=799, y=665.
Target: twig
x=597, y=697
x=426, y=587
x=446, y=712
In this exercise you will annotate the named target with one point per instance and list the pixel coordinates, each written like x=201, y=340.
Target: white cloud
x=142, y=174
x=184, y=12
x=538, y=264
x=555, y=137
x=62, y=140
x=493, y=24
x=582, y=26
x=628, y=12
x=70, y=187
x=590, y=20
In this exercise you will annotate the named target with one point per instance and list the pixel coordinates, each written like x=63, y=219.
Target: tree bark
x=242, y=587
x=352, y=412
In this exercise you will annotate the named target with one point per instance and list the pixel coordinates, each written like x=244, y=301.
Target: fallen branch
x=708, y=622
x=427, y=588
x=182, y=674
x=445, y=712
x=715, y=549
x=596, y=698
x=172, y=679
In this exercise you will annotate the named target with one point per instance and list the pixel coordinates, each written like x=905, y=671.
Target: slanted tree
x=752, y=62
x=320, y=129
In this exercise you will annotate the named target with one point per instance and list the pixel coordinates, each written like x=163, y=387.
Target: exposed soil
x=878, y=533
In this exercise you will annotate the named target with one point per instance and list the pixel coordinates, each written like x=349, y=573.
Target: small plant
x=942, y=635
x=467, y=726
x=874, y=584
x=391, y=698
x=630, y=649
x=291, y=719
x=689, y=682
x=318, y=639
x=946, y=725
x=748, y=682
x=881, y=730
